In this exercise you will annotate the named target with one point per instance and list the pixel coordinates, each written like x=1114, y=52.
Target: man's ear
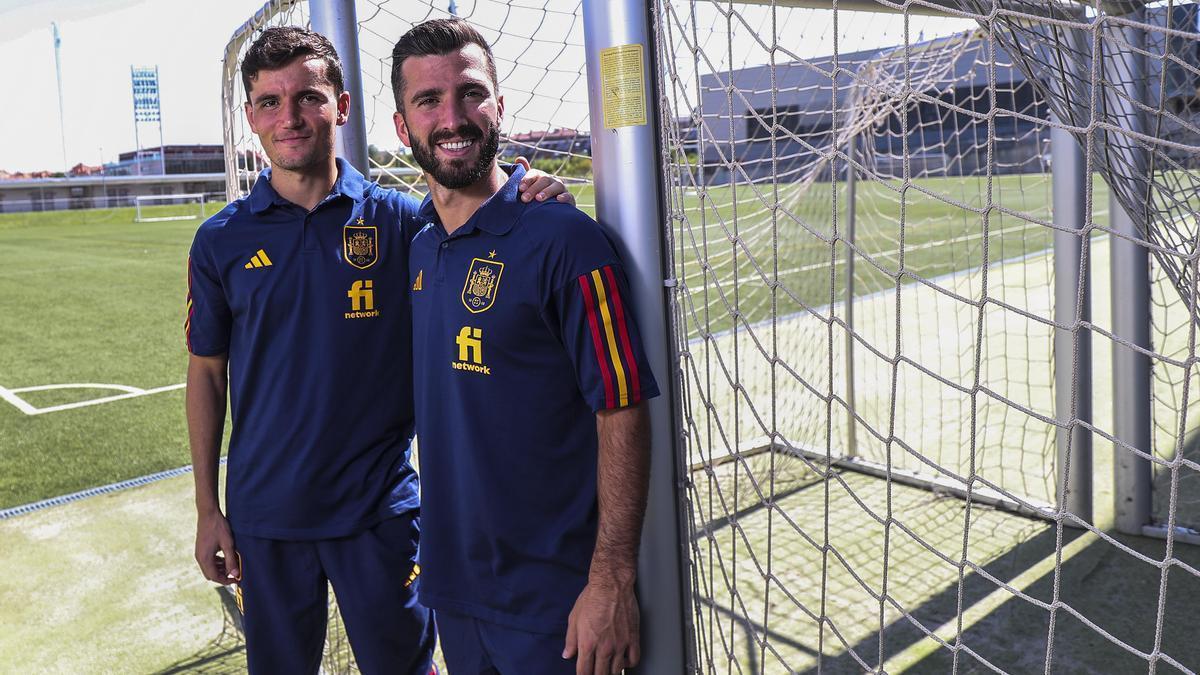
x=401, y=128
x=499, y=108
x=249, y=116
x=343, y=107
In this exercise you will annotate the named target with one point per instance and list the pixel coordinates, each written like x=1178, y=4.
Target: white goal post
x=150, y=209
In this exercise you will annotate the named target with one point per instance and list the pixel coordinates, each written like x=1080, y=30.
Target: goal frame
x=1131, y=302
x=139, y=200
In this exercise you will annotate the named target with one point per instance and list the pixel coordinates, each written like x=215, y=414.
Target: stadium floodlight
x=160, y=208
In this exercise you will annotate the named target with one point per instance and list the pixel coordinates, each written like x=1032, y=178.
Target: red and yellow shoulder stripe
x=187, y=319
x=610, y=337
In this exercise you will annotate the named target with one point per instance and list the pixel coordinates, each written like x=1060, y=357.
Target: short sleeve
x=207, y=319
x=598, y=329
x=406, y=207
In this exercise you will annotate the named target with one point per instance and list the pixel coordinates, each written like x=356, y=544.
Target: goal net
x=860, y=229
x=1126, y=83
x=861, y=210
x=156, y=208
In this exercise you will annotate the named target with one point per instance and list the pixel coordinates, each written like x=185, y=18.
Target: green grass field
x=939, y=221
x=91, y=297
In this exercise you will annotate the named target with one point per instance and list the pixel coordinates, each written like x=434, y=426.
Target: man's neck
x=455, y=207
x=305, y=187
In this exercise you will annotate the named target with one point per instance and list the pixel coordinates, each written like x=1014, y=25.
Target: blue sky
x=101, y=39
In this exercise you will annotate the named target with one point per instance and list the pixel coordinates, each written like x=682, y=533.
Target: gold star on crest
x=492, y=254
x=360, y=221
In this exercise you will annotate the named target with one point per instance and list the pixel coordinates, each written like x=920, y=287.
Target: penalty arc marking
x=12, y=395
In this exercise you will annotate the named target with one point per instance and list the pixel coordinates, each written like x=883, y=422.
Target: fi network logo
x=470, y=351
x=362, y=300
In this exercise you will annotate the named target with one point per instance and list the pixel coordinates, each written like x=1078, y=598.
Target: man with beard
x=298, y=307
x=529, y=386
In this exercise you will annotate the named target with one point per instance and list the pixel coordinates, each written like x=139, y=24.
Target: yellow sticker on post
x=622, y=86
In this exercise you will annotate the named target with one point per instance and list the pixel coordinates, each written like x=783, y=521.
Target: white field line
x=17, y=401
x=988, y=605
x=24, y=406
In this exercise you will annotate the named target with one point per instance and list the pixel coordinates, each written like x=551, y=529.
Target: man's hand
x=542, y=186
x=213, y=536
x=602, y=631
x=207, y=382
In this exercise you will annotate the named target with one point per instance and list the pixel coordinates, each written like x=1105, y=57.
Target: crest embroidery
x=360, y=244
x=483, y=281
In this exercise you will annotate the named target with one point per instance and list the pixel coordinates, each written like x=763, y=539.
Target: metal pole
x=1125, y=70
x=626, y=165
x=137, y=143
x=1072, y=305
x=851, y=234
x=338, y=21
x=62, y=119
x=162, y=147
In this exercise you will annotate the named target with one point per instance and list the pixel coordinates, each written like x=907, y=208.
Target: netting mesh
x=1127, y=82
x=861, y=222
x=538, y=49
x=859, y=217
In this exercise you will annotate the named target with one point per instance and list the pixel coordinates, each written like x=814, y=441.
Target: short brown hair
x=278, y=46
x=436, y=37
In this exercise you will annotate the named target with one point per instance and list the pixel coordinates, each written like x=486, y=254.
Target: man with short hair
x=530, y=379
x=298, y=307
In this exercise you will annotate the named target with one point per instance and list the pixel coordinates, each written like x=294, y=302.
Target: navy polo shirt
x=312, y=309
x=522, y=329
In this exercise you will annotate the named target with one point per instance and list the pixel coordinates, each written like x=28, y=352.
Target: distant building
x=191, y=169
x=102, y=191
x=40, y=192
x=553, y=144
x=23, y=175
x=82, y=169
x=776, y=121
x=179, y=159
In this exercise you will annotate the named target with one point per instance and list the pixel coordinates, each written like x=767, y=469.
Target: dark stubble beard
x=457, y=174
x=318, y=155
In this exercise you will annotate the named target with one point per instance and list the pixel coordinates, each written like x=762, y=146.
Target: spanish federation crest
x=483, y=280
x=360, y=243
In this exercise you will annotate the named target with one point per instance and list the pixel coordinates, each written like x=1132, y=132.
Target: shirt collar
x=496, y=215
x=350, y=183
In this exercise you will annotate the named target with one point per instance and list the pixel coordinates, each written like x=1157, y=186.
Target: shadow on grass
x=1187, y=503
x=758, y=558
x=1110, y=587
x=225, y=654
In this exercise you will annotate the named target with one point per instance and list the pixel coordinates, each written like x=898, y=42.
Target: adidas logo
x=260, y=259
x=417, y=284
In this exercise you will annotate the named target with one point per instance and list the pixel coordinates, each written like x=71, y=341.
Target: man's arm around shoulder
x=603, y=628
x=207, y=382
